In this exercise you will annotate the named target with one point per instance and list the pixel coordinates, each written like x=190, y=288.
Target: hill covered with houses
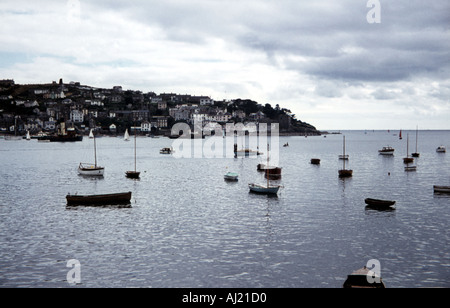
x=42, y=107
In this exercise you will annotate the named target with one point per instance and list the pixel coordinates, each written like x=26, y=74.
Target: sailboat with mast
x=133, y=174
x=416, y=154
x=91, y=169
x=407, y=159
x=345, y=173
x=265, y=189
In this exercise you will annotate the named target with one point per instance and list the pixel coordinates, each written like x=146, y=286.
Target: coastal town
x=42, y=108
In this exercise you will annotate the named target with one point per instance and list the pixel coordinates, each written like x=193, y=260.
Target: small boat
x=271, y=171
x=64, y=135
x=400, y=135
x=407, y=159
x=379, y=203
x=264, y=189
x=126, y=136
x=345, y=173
x=441, y=149
x=28, y=137
x=360, y=279
x=416, y=154
x=441, y=189
x=166, y=151
x=315, y=161
x=231, y=176
x=109, y=199
x=386, y=151
x=91, y=134
x=91, y=169
x=133, y=174
x=410, y=168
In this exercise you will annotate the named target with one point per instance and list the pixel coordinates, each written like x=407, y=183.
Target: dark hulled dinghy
x=98, y=200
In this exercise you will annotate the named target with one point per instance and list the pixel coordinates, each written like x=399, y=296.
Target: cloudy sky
x=321, y=59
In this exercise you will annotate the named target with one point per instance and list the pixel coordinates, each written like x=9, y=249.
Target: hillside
x=42, y=106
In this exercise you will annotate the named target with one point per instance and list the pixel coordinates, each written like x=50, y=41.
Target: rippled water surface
x=187, y=227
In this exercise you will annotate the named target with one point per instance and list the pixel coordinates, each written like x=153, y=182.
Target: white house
x=146, y=126
x=77, y=116
x=204, y=100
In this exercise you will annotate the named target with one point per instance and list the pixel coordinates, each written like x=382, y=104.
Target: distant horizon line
x=383, y=129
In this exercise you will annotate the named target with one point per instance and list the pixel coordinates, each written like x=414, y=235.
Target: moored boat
x=441, y=149
x=231, y=176
x=133, y=174
x=344, y=173
x=416, y=153
x=93, y=200
x=379, y=203
x=441, y=189
x=315, y=161
x=90, y=169
x=407, y=159
x=270, y=171
x=63, y=135
x=386, y=151
x=166, y=151
x=264, y=189
x=364, y=278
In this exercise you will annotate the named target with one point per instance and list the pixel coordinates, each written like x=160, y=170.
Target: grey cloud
x=413, y=36
x=383, y=94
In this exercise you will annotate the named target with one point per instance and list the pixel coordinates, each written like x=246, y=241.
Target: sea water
x=187, y=227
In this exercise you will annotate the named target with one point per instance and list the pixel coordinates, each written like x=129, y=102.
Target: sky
x=348, y=64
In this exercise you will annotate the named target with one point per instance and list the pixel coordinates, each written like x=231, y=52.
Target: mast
x=417, y=132
x=267, y=168
x=407, y=145
x=134, y=147
x=95, y=152
x=344, y=154
x=15, y=126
